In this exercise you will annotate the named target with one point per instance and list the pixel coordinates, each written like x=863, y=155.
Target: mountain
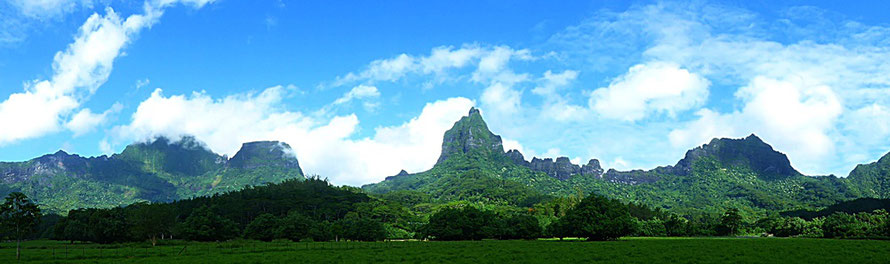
x=474, y=167
x=159, y=170
x=744, y=173
x=873, y=179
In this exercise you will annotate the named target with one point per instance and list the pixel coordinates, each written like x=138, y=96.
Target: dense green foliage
x=293, y=209
x=851, y=207
x=18, y=215
x=594, y=218
x=873, y=179
x=743, y=174
x=157, y=171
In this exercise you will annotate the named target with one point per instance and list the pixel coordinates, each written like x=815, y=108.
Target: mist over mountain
x=158, y=170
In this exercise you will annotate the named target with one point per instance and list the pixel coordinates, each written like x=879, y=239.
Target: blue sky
x=364, y=89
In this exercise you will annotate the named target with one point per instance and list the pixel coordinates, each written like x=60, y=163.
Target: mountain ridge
x=157, y=170
x=724, y=173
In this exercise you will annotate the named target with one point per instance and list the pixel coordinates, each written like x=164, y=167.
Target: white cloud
x=359, y=92
x=501, y=99
x=490, y=65
x=513, y=144
x=806, y=84
x=552, y=82
x=442, y=58
x=324, y=146
x=650, y=88
x=44, y=9
x=78, y=71
x=786, y=113
x=86, y=121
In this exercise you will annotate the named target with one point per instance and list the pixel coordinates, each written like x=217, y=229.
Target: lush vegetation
x=744, y=174
x=296, y=210
x=157, y=171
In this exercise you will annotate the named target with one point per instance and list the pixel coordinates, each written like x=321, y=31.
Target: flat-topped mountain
x=750, y=152
x=159, y=170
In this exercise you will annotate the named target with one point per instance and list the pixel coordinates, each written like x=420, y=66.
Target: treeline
x=314, y=210
x=296, y=210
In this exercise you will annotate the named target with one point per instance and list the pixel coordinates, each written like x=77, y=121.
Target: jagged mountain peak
x=750, y=151
x=474, y=111
x=470, y=136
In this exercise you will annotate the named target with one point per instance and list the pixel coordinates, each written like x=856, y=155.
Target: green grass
x=632, y=250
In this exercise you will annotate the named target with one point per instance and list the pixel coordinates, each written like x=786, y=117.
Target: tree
x=676, y=225
x=361, y=229
x=19, y=215
x=730, y=222
x=149, y=221
x=296, y=226
x=466, y=223
x=595, y=218
x=264, y=227
x=522, y=227
x=205, y=225
x=74, y=227
x=323, y=231
x=108, y=226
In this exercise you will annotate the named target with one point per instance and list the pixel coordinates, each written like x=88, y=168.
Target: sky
x=364, y=89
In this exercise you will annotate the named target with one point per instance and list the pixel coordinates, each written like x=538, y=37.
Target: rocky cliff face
x=264, y=153
x=749, y=152
x=470, y=136
x=159, y=170
x=562, y=168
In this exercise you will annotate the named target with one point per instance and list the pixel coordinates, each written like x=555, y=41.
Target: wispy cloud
x=78, y=71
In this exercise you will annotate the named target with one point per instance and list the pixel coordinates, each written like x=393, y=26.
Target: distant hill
x=851, y=207
x=744, y=173
x=159, y=170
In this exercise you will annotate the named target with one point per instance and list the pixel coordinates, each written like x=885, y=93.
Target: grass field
x=631, y=250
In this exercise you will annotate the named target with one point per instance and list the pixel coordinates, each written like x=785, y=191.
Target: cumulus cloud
x=799, y=95
x=45, y=105
x=324, y=146
x=86, y=121
x=647, y=88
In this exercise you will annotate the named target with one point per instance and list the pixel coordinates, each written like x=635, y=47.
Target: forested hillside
x=742, y=173
x=160, y=170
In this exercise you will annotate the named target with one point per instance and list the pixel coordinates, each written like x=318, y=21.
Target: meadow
x=628, y=250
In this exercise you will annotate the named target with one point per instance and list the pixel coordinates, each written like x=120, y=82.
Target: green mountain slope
x=873, y=179
x=725, y=173
x=160, y=170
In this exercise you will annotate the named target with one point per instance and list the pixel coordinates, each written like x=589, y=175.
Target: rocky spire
x=470, y=136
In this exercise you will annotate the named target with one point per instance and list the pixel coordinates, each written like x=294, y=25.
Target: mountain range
x=745, y=173
x=159, y=170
